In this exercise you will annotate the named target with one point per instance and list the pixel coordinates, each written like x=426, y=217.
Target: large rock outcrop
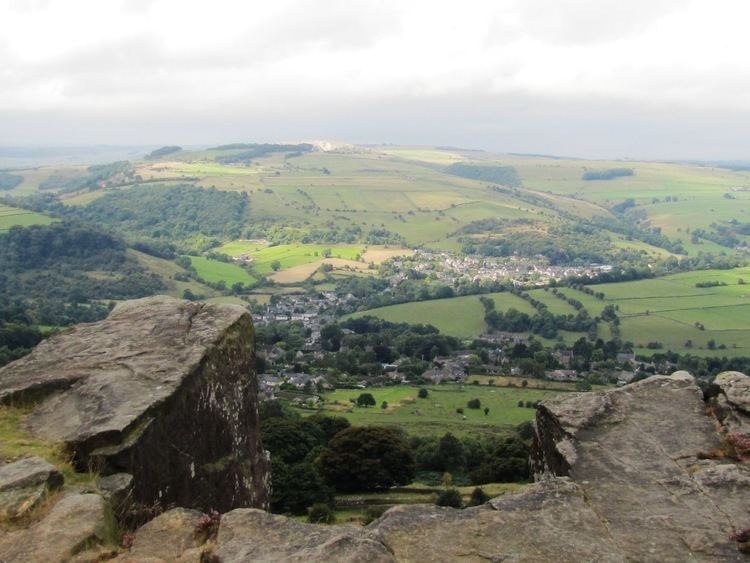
x=633, y=474
x=652, y=465
x=163, y=389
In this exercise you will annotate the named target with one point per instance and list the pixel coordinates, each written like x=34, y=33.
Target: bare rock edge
x=164, y=390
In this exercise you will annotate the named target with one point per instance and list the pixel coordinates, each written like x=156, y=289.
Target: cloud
x=582, y=22
x=377, y=70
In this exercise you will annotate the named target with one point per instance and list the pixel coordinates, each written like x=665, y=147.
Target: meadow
x=666, y=310
x=12, y=216
x=288, y=255
x=437, y=414
x=462, y=317
x=661, y=310
x=166, y=270
x=214, y=271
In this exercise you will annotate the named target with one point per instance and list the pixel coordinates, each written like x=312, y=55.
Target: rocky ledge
x=163, y=390
x=641, y=473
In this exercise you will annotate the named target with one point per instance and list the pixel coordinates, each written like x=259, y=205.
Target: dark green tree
x=450, y=497
x=295, y=487
x=365, y=459
x=451, y=453
x=290, y=440
x=478, y=497
x=366, y=400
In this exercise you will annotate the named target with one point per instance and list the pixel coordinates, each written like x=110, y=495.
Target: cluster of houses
x=317, y=309
x=442, y=369
x=451, y=268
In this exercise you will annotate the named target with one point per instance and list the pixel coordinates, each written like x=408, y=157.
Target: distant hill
x=162, y=152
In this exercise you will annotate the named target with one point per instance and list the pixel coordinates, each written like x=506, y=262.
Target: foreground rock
x=253, y=535
x=171, y=536
x=729, y=397
x=633, y=474
x=164, y=390
x=24, y=484
x=544, y=522
x=642, y=457
x=75, y=524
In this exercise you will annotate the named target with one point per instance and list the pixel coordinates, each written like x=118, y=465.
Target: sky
x=653, y=79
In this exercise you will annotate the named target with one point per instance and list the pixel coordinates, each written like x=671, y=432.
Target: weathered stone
x=254, y=535
x=24, y=484
x=729, y=396
x=162, y=389
x=75, y=523
x=548, y=521
x=637, y=463
x=736, y=388
x=166, y=538
x=683, y=375
x=117, y=489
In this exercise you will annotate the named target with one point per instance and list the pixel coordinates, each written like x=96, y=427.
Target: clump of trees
x=175, y=213
x=46, y=279
x=366, y=459
x=483, y=460
x=9, y=181
x=366, y=400
x=505, y=175
x=163, y=151
x=608, y=174
x=450, y=497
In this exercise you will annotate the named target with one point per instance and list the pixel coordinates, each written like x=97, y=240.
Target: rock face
x=633, y=474
x=164, y=390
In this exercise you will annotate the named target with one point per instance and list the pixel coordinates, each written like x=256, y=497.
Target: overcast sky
x=597, y=78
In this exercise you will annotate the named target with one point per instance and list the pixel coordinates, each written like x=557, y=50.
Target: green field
x=84, y=198
x=239, y=247
x=12, y=216
x=437, y=413
x=462, y=317
x=214, y=271
x=666, y=309
x=166, y=270
x=663, y=310
x=290, y=255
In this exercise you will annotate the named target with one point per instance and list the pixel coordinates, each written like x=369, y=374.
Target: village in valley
x=300, y=368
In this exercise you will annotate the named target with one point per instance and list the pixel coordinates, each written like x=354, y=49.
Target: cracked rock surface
x=163, y=389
